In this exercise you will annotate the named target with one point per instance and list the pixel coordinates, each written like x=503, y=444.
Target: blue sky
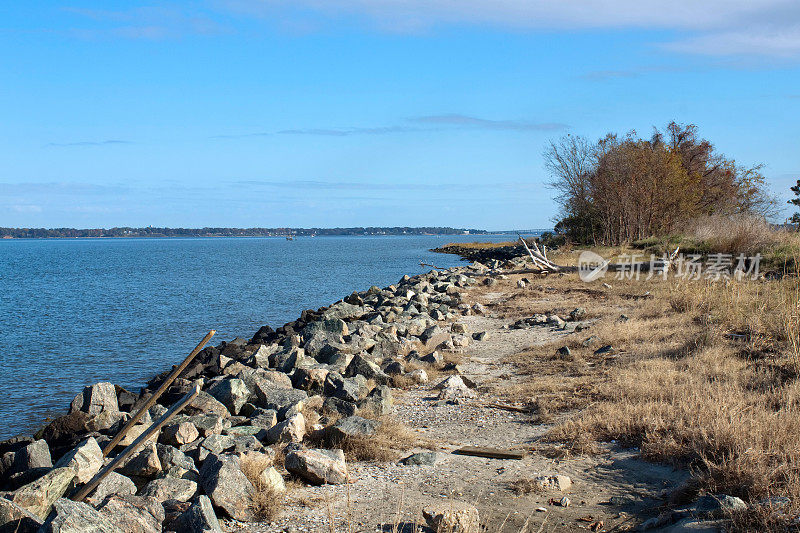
x=367, y=112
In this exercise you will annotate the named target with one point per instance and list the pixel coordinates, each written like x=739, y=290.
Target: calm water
x=75, y=312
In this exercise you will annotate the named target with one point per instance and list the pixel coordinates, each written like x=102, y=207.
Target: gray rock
x=140, y=514
x=353, y=426
x=453, y=388
x=280, y=400
x=480, y=336
x=433, y=358
x=344, y=311
x=379, y=401
x=206, y=404
x=34, y=455
x=77, y=517
x=603, y=350
x=264, y=418
x=210, y=424
x=564, y=351
x=232, y=393
x=112, y=484
x=423, y=458
x=334, y=326
x=144, y=463
x=361, y=366
x=293, y=429
x=175, y=463
x=178, y=434
x=394, y=368
x=318, y=466
x=86, y=459
x=200, y=517
x=719, y=504
x=344, y=389
x=287, y=359
x=38, y=496
x=96, y=399
x=15, y=519
x=223, y=480
x=578, y=313
x=170, y=488
x=341, y=407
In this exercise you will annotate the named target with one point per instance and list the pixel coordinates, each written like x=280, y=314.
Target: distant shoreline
x=158, y=232
x=290, y=233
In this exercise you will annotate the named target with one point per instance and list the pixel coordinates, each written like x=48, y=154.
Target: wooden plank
x=491, y=453
x=127, y=452
x=150, y=401
x=505, y=407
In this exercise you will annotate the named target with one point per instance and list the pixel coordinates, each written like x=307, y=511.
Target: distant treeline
x=45, y=233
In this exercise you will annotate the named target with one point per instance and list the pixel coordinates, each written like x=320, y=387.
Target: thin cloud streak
x=109, y=142
x=430, y=123
x=467, y=121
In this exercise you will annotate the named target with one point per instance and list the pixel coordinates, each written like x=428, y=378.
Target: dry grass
x=265, y=502
x=390, y=439
x=705, y=375
x=734, y=234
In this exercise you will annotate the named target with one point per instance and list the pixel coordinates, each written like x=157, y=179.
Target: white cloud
x=710, y=27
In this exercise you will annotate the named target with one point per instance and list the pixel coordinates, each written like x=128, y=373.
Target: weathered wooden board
x=491, y=453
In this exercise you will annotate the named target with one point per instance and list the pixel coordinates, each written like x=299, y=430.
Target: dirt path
x=613, y=487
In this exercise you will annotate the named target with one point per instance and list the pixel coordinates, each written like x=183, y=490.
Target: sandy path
x=613, y=486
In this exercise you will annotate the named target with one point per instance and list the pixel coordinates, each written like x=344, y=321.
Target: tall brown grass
x=707, y=378
x=734, y=234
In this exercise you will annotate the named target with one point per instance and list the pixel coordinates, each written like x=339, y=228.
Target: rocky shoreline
x=298, y=393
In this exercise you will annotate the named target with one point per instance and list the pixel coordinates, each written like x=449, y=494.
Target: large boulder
x=379, y=402
x=204, y=403
x=38, y=497
x=279, y=399
x=345, y=389
x=361, y=366
x=144, y=463
x=77, y=517
x=96, y=399
x=287, y=359
x=317, y=466
x=134, y=514
x=179, y=433
x=232, y=393
x=223, y=480
x=200, y=517
x=34, y=455
x=15, y=519
x=210, y=424
x=86, y=459
x=353, y=427
x=112, y=484
x=170, y=488
x=175, y=463
x=293, y=429
x=67, y=428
